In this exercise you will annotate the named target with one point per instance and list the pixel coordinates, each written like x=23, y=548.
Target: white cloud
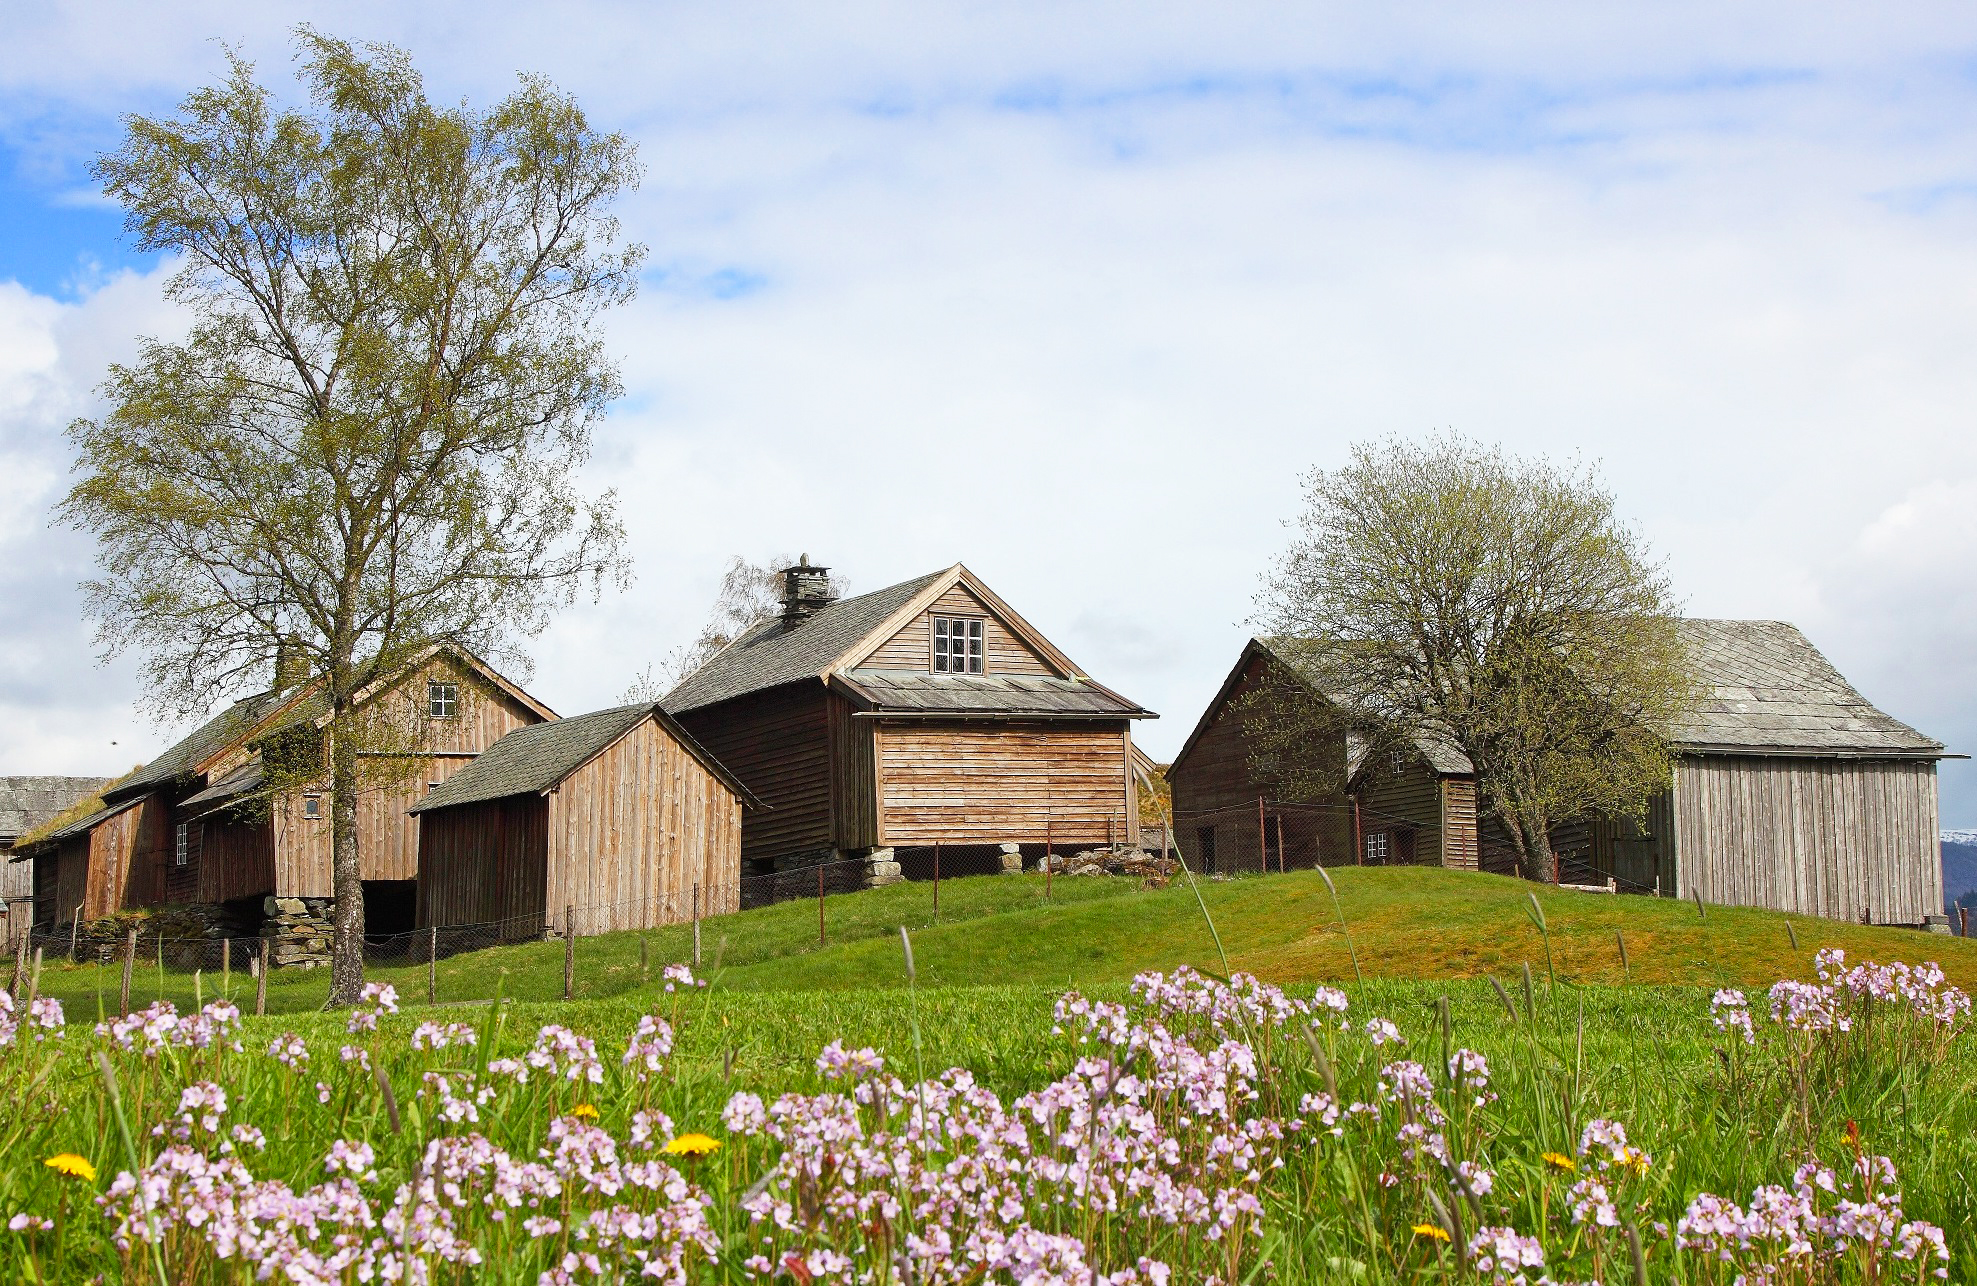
x=1074, y=295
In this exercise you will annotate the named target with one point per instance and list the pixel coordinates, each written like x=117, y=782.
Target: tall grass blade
x=1344, y=928
x=116, y=1098
x=1537, y=914
x=1504, y=996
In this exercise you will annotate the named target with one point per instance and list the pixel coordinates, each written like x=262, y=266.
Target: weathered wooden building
x=619, y=814
x=1414, y=805
x=207, y=823
x=29, y=804
x=1791, y=791
x=927, y=713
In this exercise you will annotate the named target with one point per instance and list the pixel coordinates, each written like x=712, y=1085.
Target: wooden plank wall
x=387, y=836
x=634, y=830
x=778, y=743
x=116, y=866
x=1830, y=837
x=486, y=863
x=912, y=648
x=181, y=883
x=237, y=859
x=1639, y=855
x=987, y=783
x=1400, y=798
x=854, y=778
x=1459, y=830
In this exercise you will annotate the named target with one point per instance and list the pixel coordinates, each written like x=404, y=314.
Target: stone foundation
x=298, y=931
x=881, y=869
x=1012, y=859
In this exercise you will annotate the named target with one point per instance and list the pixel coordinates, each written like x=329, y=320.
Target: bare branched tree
x=370, y=441
x=750, y=594
x=1447, y=590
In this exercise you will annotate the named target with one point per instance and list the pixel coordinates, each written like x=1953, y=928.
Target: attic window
x=312, y=805
x=442, y=699
x=957, y=645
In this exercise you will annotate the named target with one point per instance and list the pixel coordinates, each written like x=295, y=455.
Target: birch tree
x=370, y=441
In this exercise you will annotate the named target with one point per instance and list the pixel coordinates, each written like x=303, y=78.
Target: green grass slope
x=1406, y=923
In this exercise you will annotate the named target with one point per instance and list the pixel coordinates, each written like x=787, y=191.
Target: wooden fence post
x=820, y=903
x=937, y=881
x=432, y=964
x=130, y=962
x=1280, y=843
x=569, y=951
x=261, y=979
x=1262, y=839
x=1358, y=836
x=696, y=928
x=20, y=966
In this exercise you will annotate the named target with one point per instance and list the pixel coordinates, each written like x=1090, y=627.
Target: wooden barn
x=619, y=814
x=1414, y=806
x=1791, y=791
x=927, y=713
x=204, y=824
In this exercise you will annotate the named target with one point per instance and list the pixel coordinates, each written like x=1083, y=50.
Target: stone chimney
x=291, y=664
x=806, y=590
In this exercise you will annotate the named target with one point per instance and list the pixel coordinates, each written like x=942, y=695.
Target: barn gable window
x=442, y=699
x=957, y=645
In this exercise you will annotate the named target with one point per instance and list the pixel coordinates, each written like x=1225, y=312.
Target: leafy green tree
x=371, y=439
x=1443, y=589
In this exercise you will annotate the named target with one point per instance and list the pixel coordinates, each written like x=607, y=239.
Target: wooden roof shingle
x=1768, y=690
x=530, y=760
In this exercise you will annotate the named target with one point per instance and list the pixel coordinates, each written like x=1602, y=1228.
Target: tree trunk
x=1530, y=835
x=346, y=875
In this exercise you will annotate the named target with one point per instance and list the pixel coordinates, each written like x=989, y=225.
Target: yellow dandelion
x=693, y=1145
x=1559, y=1161
x=1432, y=1231
x=584, y=1110
x=71, y=1164
x=1634, y=1159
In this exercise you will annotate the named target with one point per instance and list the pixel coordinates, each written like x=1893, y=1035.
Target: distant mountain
x=1960, y=868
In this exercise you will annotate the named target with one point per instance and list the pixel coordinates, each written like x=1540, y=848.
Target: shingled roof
x=528, y=761
x=915, y=692
x=1770, y=691
x=208, y=739
x=778, y=652
x=28, y=802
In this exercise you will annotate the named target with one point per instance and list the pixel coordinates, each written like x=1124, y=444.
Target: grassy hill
x=1407, y=923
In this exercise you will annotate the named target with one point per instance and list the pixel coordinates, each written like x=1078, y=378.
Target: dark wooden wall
x=992, y=782
x=237, y=859
x=854, y=778
x=777, y=742
x=116, y=866
x=1406, y=797
x=634, y=830
x=483, y=863
x=911, y=648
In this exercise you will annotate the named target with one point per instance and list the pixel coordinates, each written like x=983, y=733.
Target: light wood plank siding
x=485, y=864
x=971, y=783
x=387, y=836
x=778, y=744
x=635, y=829
x=912, y=648
x=854, y=779
x=1832, y=837
x=1459, y=831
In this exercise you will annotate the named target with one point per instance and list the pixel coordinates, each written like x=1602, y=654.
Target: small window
x=178, y=849
x=1378, y=848
x=312, y=805
x=957, y=645
x=442, y=699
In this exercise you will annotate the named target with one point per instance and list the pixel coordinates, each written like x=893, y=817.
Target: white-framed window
x=312, y=805
x=179, y=845
x=957, y=645
x=1379, y=847
x=442, y=698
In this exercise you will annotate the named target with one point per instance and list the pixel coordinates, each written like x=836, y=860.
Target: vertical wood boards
x=854, y=779
x=237, y=859
x=911, y=648
x=1460, y=848
x=985, y=783
x=1828, y=837
x=484, y=863
x=633, y=831
x=387, y=837
x=1401, y=799
x=777, y=742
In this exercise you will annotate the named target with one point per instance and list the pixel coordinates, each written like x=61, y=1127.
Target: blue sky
x=1075, y=294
